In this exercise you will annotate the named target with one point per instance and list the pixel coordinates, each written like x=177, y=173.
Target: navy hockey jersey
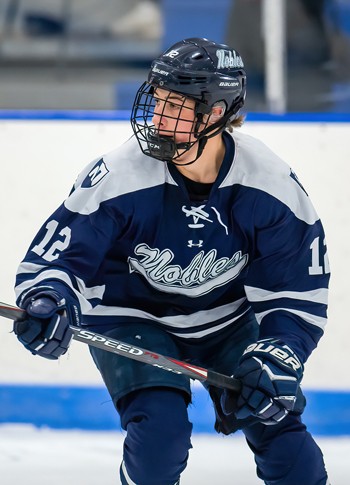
x=132, y=246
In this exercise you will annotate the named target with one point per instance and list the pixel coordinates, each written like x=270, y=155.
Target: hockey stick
x=137, y=353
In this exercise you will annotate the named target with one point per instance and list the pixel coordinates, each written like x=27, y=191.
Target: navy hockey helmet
x=197, y=69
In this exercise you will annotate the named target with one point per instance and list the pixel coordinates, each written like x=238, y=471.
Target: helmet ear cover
x=219, y=125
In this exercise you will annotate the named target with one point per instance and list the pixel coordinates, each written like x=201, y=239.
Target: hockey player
x=194, y=240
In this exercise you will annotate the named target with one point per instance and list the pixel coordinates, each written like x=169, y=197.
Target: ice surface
x=43, y=456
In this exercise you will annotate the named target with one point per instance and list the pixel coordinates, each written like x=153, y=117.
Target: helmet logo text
x=159, y=71
x=172, y=54
x=228, y=84
x=228, y=59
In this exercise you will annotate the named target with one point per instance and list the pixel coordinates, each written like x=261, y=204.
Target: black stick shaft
x=137, y=353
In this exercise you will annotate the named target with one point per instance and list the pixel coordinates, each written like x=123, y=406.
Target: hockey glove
x=45, y=331
x=270, y=373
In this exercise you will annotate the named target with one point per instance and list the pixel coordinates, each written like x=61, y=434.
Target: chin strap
x=165, y=149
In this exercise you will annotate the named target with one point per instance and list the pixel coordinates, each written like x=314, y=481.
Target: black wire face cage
x=169, y=126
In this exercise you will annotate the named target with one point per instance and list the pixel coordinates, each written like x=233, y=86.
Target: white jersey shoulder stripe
x=127, y=170
x=258, y=167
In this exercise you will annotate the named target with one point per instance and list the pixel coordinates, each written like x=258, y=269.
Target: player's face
x=174, y=115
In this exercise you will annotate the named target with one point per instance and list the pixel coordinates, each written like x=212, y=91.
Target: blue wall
x=90, y=408
x=124, y=115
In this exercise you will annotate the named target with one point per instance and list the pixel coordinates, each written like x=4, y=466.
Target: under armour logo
x=191, y=244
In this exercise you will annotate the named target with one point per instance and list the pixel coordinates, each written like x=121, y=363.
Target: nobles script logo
x=228, y=58
x=204, y=273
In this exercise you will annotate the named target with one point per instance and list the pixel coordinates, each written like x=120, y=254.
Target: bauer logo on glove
x=287, y=356
x=270, y=373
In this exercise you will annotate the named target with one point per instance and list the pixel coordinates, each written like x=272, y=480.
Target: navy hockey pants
x=286, y=453
x=153, y=403
x=158, y=436
x=158, y=439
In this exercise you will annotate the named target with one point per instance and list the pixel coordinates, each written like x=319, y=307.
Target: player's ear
x=216, y=114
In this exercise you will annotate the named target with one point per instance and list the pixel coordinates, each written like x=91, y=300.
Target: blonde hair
x=236, y=123
x=231, y=124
